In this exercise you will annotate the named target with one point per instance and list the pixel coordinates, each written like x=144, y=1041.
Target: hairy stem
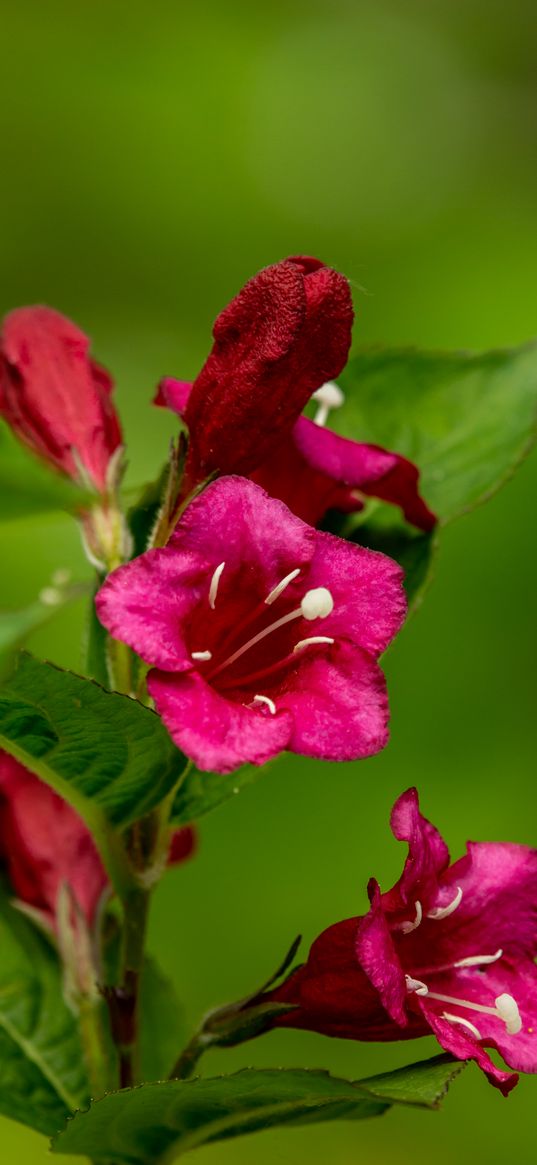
x=187, y=1061
x=123, y=1001
x=92, y=1034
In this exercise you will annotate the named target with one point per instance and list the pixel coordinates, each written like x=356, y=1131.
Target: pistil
x=506, y=1008
x=316, y=604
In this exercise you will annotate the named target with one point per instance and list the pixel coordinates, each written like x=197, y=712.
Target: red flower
x=449, y=950
x=286, y=335
x=44, y=844
x=54, y=396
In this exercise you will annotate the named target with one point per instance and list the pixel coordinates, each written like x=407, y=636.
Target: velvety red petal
x=428, y=856
x=218, y=734
x=173, y=394
x=285, y=333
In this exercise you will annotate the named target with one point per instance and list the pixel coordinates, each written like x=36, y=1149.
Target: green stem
x=119, y=665
x=92, y=1034
x=125, y=999
x=187, y=1062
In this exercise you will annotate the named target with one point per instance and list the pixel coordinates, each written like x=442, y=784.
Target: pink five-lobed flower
x=44, y=844
x=286, y=335
x=263, y=634
x=55, y=397
x=449, y=950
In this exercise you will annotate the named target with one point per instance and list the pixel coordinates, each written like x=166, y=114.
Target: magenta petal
x=499, y=902
x=367, y=588
x=173, y=394
x=464, y=1047
x=377, y=956
x=234, y=521
x=339, y=704
x=218, y=734
x=367, y=468
x=428, y=855
x=146, y=602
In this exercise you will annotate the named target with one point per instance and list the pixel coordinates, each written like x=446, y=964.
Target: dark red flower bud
x=54, y=396
x=285, y=334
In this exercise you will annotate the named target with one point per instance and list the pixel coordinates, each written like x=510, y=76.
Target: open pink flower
x=45, y=844
x=450, y=949
x=263, y=634
x=54, y=396
x=280, y=340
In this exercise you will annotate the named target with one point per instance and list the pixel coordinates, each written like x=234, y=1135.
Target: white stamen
x=50, y=597
x=330, y=397
x=444, y=911
x=317, y=603
x=203, y=656
x=408, y=927
x=507, y=1009
x=416, y=986
x=463, y=1022
x=266, y=700
x=213, y=589
x=312, y=639
x=277, y=590
x=477, y=960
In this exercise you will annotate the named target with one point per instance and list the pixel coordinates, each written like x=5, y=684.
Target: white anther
x=213, y=589
x=408, y=927
x=507, y=1009
x=50, y=597
x=478, y=960
x=329, y=396
x=202, y=656
x=463, y=1022
x=277, y=590
x=444, y=911
x=317, y=603
x=266, y=700
x=312, y=639
x=416, y=986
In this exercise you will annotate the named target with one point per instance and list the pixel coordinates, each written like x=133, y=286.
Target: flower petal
x=454, y=1039
x=337, y=696
x=218, y=734
x=377, y=956
x=428, y=856
x=367, y=588
x=146, y=602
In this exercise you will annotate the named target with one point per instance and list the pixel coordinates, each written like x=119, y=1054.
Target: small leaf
x=107, y=755
x=144, y=513
x=42, y=1077
x=199, y=793
x=424, y=1083
x=140, y=1125
x=29, y=487
x=466, y=420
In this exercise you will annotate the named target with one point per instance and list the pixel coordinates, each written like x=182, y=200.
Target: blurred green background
x=153, y=157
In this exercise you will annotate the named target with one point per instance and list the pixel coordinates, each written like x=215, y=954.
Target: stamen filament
x=257, y=639
x=312, y=639
x=471, y=961
x=408, y=927
x=265, y=700
x=213, y=589
x=316, y=604
x=463, y=1022
x=278, y=590
x=440, y=912
x=202, y=656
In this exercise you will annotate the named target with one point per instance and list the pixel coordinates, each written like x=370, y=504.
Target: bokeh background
x=154, y=155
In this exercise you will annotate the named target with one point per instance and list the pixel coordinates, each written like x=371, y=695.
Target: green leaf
x=42, y=1077
x=467, y=420
x=107, y=755
x=144, y=513
x=162, y=1023
x=199, y=793
x=29, y=487
x=141, y=1125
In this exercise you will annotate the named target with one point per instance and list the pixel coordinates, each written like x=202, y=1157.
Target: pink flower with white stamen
x=262, y=633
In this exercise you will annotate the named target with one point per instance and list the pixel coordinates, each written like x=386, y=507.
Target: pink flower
x=262, y=632
x=54, y=396
x=285, y=335
x=449, y=949
x=45, y=844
